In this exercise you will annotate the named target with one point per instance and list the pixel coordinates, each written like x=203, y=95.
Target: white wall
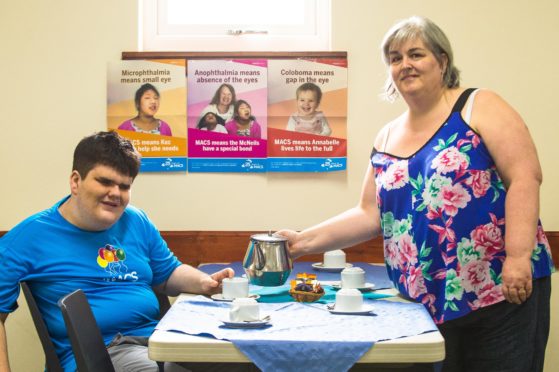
x=54, y=56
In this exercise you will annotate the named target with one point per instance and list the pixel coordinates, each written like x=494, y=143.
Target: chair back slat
x=87, y=342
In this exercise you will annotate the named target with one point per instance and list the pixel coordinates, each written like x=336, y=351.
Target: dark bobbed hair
x=434, y=39
x=109, y=149
x=202, y=121
x=236, y=111
x=140, y=92
x=215, y=99
x=313, y=88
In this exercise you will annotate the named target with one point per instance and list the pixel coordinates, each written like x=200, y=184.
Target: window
x=234, y=25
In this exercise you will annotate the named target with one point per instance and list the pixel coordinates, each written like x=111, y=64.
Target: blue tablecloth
x=375, y=274
x=301, y=337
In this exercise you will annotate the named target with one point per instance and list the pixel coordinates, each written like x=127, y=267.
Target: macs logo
x=329, y=163
x=249, y=164
x=169, y=163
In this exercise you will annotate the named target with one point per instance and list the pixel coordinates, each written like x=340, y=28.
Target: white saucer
x=248, y=324
x=368, y=286
x=365, y=310
x=320, y=267
x=219, y=297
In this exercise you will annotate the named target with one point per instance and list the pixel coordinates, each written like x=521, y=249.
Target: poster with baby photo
x=307, y=115
x=227, y=115
x=146, y=104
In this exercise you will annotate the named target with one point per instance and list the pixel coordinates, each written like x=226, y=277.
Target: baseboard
x=196, y=247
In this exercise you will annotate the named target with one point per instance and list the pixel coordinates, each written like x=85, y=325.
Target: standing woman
x=453, y=187
x=147, y=103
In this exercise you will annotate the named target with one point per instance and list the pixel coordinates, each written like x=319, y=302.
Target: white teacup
x=236, y=287
x=244, y=310
x=353, y=277
x=334, y=258
x=349, y=300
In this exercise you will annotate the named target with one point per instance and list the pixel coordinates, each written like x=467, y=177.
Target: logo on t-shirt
x=112, y=259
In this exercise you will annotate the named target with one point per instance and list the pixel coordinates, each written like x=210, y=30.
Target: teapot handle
x=259, y=259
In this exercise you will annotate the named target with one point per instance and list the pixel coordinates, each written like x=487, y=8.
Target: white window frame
x=155, y=34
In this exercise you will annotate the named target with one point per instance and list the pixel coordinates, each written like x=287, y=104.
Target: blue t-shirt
x=116, y=269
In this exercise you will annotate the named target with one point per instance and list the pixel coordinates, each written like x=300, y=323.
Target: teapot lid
x=269, y=237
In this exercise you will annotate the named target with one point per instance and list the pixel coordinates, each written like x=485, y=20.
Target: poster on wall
x=307, y=115
x=227, y=115
x=146, y=103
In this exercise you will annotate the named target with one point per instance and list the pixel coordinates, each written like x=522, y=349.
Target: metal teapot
x=267, y=261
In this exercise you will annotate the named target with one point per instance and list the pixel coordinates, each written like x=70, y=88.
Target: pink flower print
x=408, y=249
x=429, y=300
x=379, y=198
x=416, y=282
x=475, y=138
x=454, y=197
x=479, y=181
x=445, y=232
x=396, y=176
x=433, y=214
x=488, y=295
x=431, y=194
x=488, y=239
x=391, y=255
x=461, y=142
x=475, y=275
x=541, y=237
x=449, y=160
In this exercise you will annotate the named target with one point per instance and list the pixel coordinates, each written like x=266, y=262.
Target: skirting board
x=196, y=247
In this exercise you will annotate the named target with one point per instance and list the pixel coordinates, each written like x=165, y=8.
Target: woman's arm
x=515, y=156
x=347, y=229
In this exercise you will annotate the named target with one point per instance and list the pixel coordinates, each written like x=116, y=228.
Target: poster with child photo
x=307, y=112
x=227, y=115
x=145, y=103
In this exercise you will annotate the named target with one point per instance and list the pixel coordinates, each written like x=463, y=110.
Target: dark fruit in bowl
x=303, y=287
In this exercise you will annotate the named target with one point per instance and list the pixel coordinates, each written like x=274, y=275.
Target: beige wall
x=54, y=62
x=54, y=56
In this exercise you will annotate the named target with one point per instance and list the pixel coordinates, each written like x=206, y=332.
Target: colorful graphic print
x=112, y=260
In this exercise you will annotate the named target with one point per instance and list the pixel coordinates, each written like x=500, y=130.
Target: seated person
x=94, y=240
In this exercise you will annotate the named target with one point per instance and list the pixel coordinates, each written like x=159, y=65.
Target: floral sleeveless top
x=443, y=221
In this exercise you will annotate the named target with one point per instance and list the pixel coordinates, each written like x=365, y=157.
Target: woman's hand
x=292, y=238
x=517, y=279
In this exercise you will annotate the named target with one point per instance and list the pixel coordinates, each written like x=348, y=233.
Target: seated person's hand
x=212, y=284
